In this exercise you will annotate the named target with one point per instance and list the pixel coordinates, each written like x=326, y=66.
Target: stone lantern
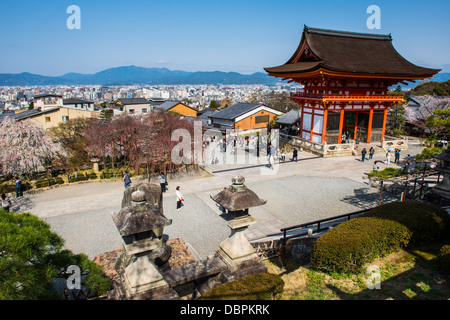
x=95, y=162
x=236, y=251
x=441, y=192
x=141, y=226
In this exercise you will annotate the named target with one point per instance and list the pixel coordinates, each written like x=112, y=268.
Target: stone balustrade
x=323, y=150
x=401, y=144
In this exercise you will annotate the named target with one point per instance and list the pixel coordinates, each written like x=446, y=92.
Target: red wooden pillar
x=301, y=123
x=369, y=126
x=324, y=125
x=384, y=122
x=356, y=125
x=312, y=125
x=341, y=124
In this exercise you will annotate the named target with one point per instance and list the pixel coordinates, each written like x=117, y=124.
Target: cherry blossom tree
x=139, y=139
x=157, y=140
x=26, y=148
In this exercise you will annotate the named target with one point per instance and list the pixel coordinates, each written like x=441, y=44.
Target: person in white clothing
x=180, y=198
x=388, y=158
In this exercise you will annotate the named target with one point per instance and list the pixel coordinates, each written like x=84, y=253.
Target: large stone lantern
x=141, y=226
x=441, y=192
x=235, y=200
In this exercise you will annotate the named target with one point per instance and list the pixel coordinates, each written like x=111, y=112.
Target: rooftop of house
x=126, y=101
x=75, y=101
x=290, y=117
x=236, y=110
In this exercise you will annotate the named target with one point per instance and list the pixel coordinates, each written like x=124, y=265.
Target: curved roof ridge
x=329, y=32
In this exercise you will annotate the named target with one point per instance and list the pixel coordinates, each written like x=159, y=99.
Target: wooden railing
x=318, y=225
x=344, y=97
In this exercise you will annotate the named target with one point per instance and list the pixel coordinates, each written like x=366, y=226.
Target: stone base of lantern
x=240, y=263
x=238, y=254
x=142, y=281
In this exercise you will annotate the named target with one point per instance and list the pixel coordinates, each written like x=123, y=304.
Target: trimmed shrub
x=444, y=259
x=386, y=173
x=261, y=286
x=7, y=188
x=45, y=183
x=383, y=230
x=91, y=175
x=350, y=245
x=425, y=221
x=81, y=177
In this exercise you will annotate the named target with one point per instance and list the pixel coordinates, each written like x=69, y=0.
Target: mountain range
x=129, y=75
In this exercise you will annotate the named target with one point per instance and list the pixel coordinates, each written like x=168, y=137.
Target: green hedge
x=427, y=222
x=11, y=187
x=45, y=183
x=386, y=173
x=262, y=286
x=444, y=259
x=383, y=230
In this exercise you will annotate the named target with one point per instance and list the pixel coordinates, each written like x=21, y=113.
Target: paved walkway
x=296, y=192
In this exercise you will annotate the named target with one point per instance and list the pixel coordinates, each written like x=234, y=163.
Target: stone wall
x=298, y=249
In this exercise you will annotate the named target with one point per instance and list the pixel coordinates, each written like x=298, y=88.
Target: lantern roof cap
x=237, y=196
x=139, y=217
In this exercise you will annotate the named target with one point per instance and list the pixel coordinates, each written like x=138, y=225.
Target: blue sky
x=243, y=36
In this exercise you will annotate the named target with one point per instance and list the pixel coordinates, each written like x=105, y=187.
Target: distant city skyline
x=242, y=36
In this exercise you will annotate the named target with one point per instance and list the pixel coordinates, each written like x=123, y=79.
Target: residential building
x=132, y=106
x=48, y=101
x=178, y=107
x=53, y=117
x=78, y=104
x=243, y=116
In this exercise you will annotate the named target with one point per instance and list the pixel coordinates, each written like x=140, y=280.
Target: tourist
x=375, y=167
x=397, y=156
x=363, y=154
x=388, y=158
x=270, y=160
x=371, y=153
x=6, y=203
x=180, y=198
x=162, y=182
x=127, y=179
x=283, y=154
x=295, y=155
x=19, y=192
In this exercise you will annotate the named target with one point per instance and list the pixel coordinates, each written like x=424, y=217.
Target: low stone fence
x=322, y=150
x=394, y=143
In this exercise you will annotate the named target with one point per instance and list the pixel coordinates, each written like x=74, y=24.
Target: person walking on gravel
x=180, y=198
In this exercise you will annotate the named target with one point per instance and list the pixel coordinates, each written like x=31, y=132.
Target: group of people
x=388, y=156
x=364, y=153
x=280, y=155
